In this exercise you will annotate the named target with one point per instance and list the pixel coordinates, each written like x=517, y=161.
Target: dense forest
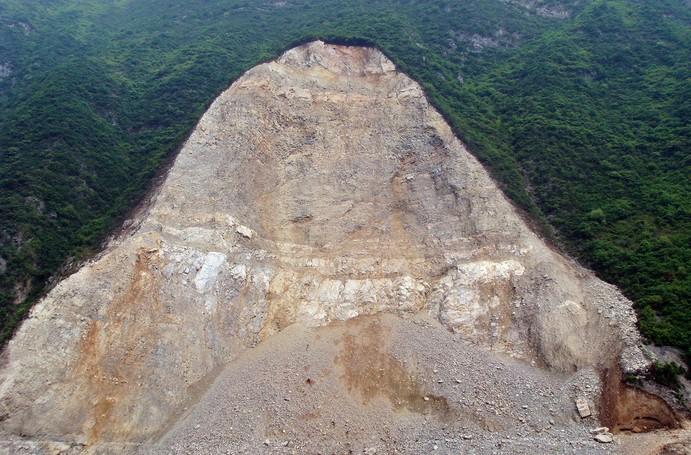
x=580, y=109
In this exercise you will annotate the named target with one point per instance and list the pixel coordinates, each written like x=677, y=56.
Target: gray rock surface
x=318, y=188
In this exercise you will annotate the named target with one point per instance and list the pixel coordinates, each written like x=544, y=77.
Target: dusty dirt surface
x=318, y=194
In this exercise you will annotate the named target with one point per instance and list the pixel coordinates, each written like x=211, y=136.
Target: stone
x=244, y=231
x=207, y=274
x=239, y=272
x=604, y=438
x=583, y=408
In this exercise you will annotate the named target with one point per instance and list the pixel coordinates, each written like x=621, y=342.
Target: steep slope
x=319, y=187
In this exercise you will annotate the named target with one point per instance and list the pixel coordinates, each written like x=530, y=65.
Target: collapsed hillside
x=578, y=108
x=319, y=188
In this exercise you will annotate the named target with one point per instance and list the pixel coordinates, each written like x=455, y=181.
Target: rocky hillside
x=578, y=108
x=325, y=268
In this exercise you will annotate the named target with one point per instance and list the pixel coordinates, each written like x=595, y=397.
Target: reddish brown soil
x=630, y=409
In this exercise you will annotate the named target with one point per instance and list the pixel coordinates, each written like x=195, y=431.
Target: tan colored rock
x=583, y=408
x=604, y=438
x=351, y=196
x=245, y=232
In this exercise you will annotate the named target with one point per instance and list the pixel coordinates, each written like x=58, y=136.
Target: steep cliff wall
x=317, y=188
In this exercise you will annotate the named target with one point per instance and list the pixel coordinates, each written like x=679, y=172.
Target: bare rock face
x=317, y=188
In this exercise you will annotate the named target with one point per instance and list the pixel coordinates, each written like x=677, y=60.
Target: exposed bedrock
x=318, y=187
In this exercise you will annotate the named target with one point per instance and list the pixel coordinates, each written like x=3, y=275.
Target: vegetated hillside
x=579, y=108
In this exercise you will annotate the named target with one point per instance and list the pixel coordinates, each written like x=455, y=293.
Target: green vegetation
x=667, y=374
x=584, y=120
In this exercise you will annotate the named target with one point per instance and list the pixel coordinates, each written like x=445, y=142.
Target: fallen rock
x=583, y=408
x=244, y=231
x=604, y=438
